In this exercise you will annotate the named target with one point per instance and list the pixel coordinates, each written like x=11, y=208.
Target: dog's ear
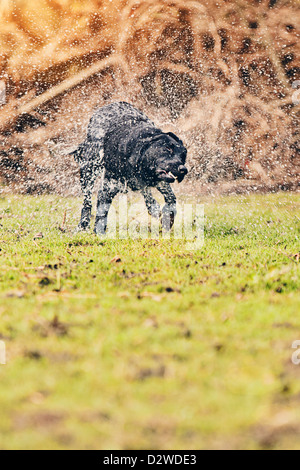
x=179, y=141
x=142, y=147
x=175, y=137
x=184, y=155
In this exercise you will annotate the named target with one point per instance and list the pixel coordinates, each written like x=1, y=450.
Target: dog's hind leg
x=87, y=180
x=110, y=189
x=151, y=203
x=90, y=161
x=169, y=211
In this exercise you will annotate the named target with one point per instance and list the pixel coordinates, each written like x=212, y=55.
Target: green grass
x=167, y=349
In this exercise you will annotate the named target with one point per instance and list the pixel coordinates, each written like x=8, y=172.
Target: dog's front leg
x=152, y=205
x=169, y=211
x=106, y=195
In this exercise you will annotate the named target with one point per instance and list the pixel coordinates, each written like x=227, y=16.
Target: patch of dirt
x=282, y=427
x=41, y=420
x=54, y=327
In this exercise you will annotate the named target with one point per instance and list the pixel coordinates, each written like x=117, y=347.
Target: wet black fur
x=133, y=153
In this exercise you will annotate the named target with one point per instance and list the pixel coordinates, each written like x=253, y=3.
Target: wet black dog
x=134, y=153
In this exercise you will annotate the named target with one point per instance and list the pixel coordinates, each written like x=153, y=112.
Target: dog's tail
x=89, y=152
x=60, y=150
x=78, y=154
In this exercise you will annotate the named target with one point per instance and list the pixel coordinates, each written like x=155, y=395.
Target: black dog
x=133, y=152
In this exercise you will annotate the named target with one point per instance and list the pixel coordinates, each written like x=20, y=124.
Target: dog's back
x=112, y=116
x=108, y=121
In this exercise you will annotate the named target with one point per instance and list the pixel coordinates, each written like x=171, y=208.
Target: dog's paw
x=82, y=228
x=100, y=227
x=168, y=218
x=155, y=211
x=99, y=233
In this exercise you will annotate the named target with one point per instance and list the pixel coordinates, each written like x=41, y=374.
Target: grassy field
x=165, y=349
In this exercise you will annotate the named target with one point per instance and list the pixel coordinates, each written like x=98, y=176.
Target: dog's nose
x=183, y=170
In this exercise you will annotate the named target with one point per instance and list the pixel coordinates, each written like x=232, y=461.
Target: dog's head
x=165, y=158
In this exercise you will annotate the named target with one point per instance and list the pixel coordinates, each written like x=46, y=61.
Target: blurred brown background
x=222, y=74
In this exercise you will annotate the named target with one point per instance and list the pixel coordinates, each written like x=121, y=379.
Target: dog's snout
x=183, y=170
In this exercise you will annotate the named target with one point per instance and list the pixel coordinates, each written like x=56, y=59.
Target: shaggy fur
x=133, y=153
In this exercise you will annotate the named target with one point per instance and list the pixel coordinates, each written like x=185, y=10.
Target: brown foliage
x=219, y=73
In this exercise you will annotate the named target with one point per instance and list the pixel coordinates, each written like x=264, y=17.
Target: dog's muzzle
x=172, y=176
